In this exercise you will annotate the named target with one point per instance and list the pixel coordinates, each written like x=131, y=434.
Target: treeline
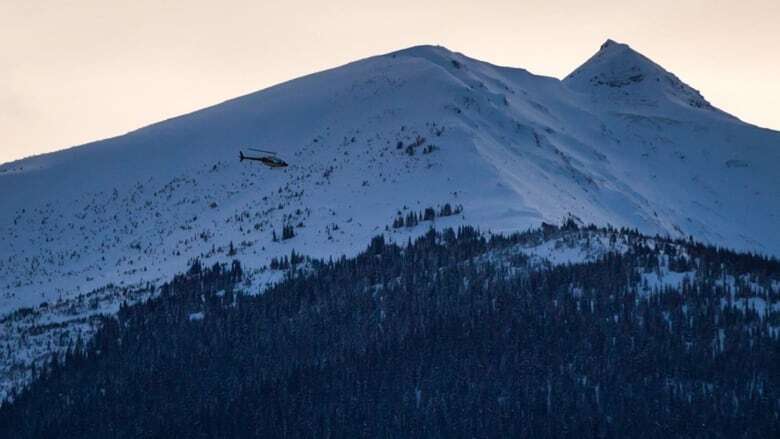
x=433, y=339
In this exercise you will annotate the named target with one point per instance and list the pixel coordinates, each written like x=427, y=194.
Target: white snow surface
x=620, y=141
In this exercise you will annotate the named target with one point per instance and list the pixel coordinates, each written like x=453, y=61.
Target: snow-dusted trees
x=435, y=339
x=287, y=232
x=413, y=218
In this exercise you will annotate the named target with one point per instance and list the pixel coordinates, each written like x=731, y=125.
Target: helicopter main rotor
x=262, y=150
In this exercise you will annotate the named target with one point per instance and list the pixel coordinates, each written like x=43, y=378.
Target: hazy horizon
x=76, y=73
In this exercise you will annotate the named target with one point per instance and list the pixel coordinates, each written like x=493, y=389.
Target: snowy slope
x=620, y=141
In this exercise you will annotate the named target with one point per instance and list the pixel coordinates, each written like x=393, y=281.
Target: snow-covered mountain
x=620, y=141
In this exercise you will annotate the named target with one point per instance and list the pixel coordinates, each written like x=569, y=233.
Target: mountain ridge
x=513, y=148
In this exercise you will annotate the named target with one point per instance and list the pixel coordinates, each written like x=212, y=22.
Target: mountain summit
x=395, y=143
x=621, y=74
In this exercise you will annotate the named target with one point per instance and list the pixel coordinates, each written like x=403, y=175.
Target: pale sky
x=77, y=71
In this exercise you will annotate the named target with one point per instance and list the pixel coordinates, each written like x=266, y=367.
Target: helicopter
x=269, y=158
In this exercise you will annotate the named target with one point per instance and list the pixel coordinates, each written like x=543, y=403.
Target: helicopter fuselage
x=271, y=162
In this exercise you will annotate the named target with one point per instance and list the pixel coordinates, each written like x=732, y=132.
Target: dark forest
x=451, y=335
